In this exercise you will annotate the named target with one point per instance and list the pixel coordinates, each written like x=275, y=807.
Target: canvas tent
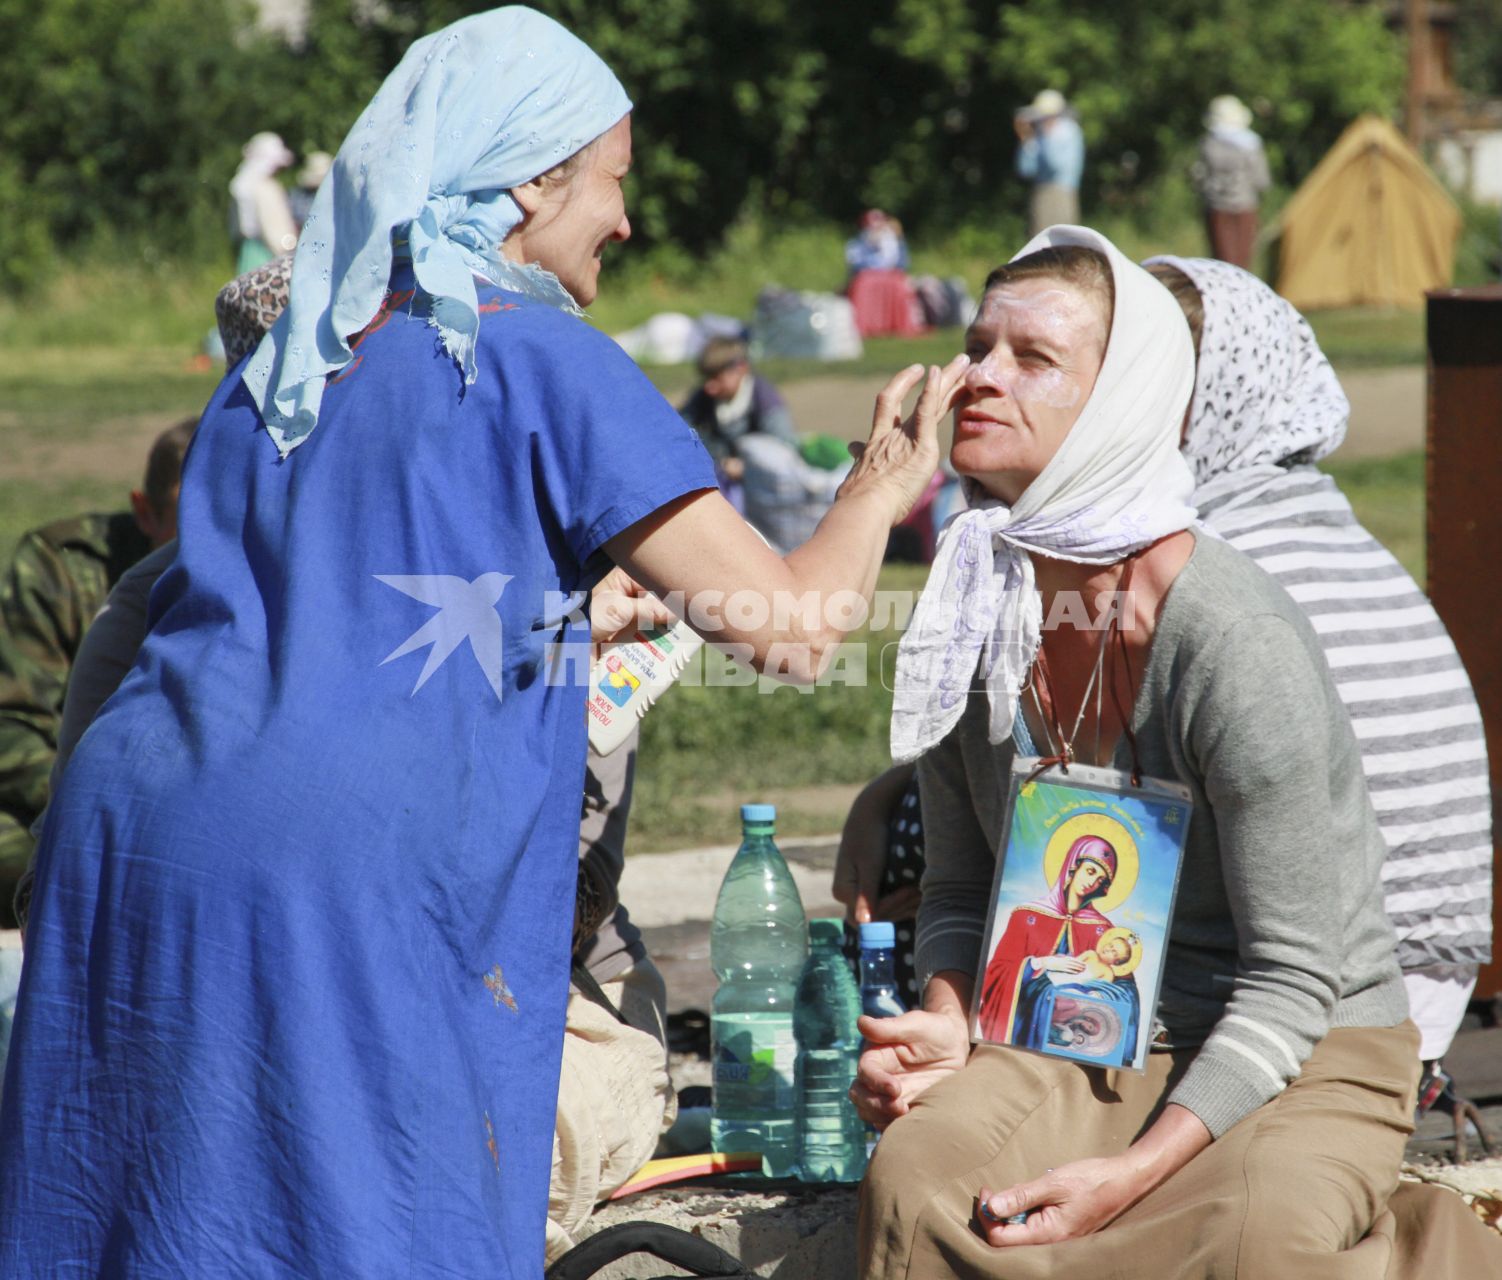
x=1370, y=226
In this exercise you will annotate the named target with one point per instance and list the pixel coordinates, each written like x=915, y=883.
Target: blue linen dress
x=298, y=956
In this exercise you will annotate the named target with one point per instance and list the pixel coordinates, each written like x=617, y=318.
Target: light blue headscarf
x=471, y=111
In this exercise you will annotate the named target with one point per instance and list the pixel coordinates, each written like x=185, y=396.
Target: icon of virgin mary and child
x=1060, y=980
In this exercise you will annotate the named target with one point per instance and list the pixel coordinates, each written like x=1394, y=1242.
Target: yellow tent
x=1371, y=226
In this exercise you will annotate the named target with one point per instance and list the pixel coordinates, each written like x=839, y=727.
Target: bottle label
x=764, y=1062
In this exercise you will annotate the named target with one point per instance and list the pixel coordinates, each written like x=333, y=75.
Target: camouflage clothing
x=57, y=582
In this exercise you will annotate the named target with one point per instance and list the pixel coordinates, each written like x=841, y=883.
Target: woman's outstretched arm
x=787, y=615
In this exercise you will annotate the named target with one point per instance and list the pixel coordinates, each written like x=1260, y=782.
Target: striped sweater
x=1278, y=932
x=1410, y=702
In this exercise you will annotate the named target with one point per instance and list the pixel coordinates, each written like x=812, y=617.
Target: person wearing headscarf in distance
x=1281, y=1030
x=299, y=951
x=1230, y=174
x=1267, y=406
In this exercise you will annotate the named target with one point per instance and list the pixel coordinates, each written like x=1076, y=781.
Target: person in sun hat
x=1052, y=159
x=1230, y=174
x=262, y=218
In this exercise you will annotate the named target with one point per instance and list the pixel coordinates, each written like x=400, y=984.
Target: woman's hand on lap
x=903, y=453
x=1079, y=1198
x=906, y=1055
x=1070, y=1201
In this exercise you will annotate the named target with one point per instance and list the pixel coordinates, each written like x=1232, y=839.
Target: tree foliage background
x=124, y=121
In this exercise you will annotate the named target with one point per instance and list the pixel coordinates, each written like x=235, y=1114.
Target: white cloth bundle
x=1117, y=484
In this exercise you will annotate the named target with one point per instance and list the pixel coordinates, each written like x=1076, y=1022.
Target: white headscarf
x=471, y=111
x=1265, y=397
x=1117, y=484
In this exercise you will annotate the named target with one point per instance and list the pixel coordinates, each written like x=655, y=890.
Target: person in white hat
x=262, y=221
x=1230, y=176
x=1052, y=158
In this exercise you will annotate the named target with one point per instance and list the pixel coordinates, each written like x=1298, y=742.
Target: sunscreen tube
x=631, y=676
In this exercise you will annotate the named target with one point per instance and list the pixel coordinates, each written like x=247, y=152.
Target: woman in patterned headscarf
x=1266, y=407
x=299, y=955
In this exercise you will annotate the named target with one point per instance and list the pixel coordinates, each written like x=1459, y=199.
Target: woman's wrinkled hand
x=903, y=453
x=1072, y=1200
x=620, y=606
x=904, y=1056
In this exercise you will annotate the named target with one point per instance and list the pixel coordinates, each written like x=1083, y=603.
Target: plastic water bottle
x=879, y=998
x=831, y=1136
x=758, y=943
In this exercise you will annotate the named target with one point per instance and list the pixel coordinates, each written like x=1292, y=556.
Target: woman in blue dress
x=298, y=955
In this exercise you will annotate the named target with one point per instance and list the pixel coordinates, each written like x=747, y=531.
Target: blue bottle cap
x=880, y=933
x=760, y=815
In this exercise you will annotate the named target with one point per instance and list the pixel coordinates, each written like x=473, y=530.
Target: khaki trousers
x=1049, y=205
x=1299, y=1190
x=614, y=1098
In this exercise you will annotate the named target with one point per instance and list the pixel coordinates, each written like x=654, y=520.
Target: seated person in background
x=58, y=579
x=878, y=246
x=1266, y=407
x=785, y=490
x=733, y=402
x=880, y=862
x=615, y=1097
x=879, y=289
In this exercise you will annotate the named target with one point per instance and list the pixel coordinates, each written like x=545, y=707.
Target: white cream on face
x=1042, y=336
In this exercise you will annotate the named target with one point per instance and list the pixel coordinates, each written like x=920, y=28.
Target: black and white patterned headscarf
x=1265, y=397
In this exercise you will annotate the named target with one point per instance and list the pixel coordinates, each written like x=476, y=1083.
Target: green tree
x=120, y=117
x=128, y=118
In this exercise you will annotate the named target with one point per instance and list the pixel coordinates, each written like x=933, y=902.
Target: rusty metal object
x=1464, y=520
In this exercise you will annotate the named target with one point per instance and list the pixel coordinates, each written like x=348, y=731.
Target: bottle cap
x=826, y=929
x=759, y=815
x=880, y=933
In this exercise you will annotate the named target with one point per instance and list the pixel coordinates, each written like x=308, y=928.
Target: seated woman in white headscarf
x=1281, y=1036
x=1266, y=407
